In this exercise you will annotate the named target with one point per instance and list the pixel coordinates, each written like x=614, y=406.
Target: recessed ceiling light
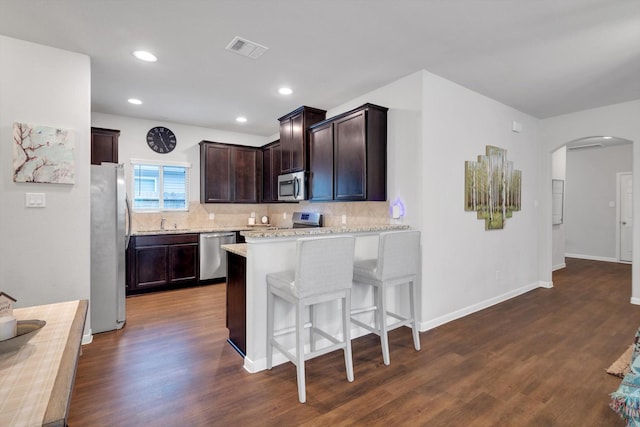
x=285, y=91
x=241, y=119
x=134, y=101
x=143, y=55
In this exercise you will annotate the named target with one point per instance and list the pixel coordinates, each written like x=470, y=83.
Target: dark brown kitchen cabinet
x=247, y=168
x=229, y=173
x=348, y=156
x=270, y=171
x=293, y=137
x=321, y=162
x=161, y=261
x=104, y=145
x=215, y=173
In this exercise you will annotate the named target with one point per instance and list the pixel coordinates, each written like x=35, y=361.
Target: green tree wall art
x=492, y=188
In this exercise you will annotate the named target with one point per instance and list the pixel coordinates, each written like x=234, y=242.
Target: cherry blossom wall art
x=492, y=188
x=43, y=154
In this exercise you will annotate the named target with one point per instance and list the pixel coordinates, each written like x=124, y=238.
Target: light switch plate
x=35, y=200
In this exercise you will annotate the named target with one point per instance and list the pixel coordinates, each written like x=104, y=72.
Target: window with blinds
x=160, y=187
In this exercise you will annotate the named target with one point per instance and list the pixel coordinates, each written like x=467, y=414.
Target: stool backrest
x=398, y=253
x=324, y=264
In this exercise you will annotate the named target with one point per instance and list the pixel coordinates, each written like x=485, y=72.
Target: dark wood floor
x=535, y=360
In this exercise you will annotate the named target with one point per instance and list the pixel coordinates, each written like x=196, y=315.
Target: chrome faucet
x=162, y=221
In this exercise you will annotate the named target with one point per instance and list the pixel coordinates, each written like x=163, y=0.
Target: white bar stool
x=397, y=264
x=324, y=272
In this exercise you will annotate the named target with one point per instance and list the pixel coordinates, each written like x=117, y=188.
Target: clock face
x=161, y=139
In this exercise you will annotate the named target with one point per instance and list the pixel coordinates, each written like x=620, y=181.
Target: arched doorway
x=594, y=173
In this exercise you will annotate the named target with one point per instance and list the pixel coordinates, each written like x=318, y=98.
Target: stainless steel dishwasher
x=213, y=260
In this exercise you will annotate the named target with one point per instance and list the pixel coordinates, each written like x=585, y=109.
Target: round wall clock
x=161, y=139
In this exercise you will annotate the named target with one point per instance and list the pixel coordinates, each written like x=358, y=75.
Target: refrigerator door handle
x=127, y=235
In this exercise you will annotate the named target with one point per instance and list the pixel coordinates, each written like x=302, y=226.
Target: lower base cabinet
x=237, y=301
x=161, y=261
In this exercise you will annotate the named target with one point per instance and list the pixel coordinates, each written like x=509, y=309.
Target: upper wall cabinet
x=271, y=158
x=104, y=145
x=229, y=173
x=321, y=162
x=293, y=137
x=348, y=156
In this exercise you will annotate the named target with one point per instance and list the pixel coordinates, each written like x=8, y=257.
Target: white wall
x=133, y=143
x=620, y=120
x=434, y=126
x=466, y=268
x=44, y=253
x=559, y=169
x=591, y=221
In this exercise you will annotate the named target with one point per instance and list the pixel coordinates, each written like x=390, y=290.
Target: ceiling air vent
x=246, y=48
x=581, y=147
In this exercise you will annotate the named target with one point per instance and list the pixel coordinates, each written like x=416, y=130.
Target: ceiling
x=542, y=57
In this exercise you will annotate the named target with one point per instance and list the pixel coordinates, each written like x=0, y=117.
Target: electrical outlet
x=284, y=215
x=212, y=216
x=344, y=219
x=253, y=214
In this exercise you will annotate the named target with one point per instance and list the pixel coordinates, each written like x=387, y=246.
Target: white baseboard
x=591, y=257
x=546, y=285
x=253, y=366
x=87, y=338
x=635, y=301
x=433, y=323
x=559, y=266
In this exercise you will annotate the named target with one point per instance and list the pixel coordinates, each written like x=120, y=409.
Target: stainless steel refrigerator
x=109, y=239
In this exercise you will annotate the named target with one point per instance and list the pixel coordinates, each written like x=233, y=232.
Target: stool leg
x=346, y=334
x=312, y=319
x=414, y=310
x=270, y=317
x=376, y=318
x=382, y=319
x=302, y=394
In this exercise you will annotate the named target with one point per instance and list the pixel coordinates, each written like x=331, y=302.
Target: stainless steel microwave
x=292, y=187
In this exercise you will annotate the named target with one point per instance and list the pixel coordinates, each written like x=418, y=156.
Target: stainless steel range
x=307, y=219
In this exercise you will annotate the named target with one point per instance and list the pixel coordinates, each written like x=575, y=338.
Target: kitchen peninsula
x=267, y=251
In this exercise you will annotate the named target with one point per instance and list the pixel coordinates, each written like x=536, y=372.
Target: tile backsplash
x=357, y=213
x=236, y=214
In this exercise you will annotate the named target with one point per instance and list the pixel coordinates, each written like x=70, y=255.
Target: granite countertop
x=236, y=248
x=269, y=231
x=215, y=229
x=292, y=232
